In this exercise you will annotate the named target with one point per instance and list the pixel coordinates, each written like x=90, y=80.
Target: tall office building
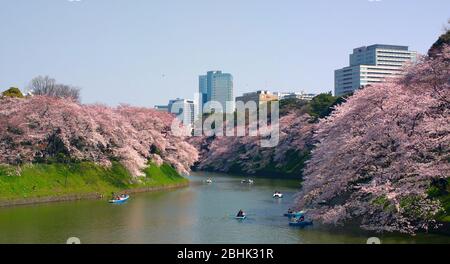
x=184, y=110
x=203, y=91
x=370, y=65
x=216, y=86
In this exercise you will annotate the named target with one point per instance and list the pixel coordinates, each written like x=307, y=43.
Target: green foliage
x=384, y=203
x=293, y=104
x=381, y=201
x=292, y=167
x=437, y=46
x=440, y=189
x=445, y=216
x=322, y=105
x=155, y=150
x=411, y=206
x=58, y=179
x=434, y=192
x=296, y=161
x=13, y=92
x=444, y=197
x=319, y=107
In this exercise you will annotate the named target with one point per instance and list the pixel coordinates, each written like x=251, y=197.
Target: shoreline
x=263, y=175
x=86, y=196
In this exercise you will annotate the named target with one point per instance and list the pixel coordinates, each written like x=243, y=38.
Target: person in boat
x=298, y=220
x=240, y=213
x=290, y=211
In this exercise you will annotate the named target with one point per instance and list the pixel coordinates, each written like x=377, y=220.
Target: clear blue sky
x=145, y=52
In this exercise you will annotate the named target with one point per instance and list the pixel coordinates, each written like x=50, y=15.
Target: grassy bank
x=53, y=180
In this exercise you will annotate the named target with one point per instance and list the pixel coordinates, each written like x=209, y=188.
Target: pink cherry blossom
x=378, y=152
x=41, y=127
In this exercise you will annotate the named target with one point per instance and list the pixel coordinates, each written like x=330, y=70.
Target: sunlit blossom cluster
x=38, y=128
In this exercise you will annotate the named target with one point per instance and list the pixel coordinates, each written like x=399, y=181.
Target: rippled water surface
x=200, y=213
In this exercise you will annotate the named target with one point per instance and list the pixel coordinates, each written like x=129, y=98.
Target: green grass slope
x=53, y=180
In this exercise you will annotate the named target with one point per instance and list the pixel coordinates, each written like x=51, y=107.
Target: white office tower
x=370, y=65
x=184, y=110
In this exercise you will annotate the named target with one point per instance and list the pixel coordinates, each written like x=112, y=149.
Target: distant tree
x=44, y=85
x=322, y=105
x=439, y=44
x=292, y=104
x=13, y=92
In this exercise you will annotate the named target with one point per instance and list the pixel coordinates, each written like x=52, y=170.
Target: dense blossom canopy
x=244, y=154
x=380, y=151
x=39, y=128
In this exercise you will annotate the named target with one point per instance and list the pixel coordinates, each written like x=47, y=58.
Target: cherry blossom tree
x=379, y=152
x=39, y=128
x=245, y=154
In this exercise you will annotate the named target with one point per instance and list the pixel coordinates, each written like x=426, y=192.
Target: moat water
x=200, y=213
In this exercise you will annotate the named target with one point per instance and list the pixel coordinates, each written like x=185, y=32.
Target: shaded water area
x=200, y=213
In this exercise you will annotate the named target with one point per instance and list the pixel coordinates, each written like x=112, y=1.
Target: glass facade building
x=216, y=86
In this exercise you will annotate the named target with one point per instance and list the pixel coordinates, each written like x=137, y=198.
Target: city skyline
x=146, y=53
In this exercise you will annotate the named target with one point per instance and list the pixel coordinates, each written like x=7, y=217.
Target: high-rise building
x=203, y=91
x=370, y=65
x=184, y=110
x=216, y=86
